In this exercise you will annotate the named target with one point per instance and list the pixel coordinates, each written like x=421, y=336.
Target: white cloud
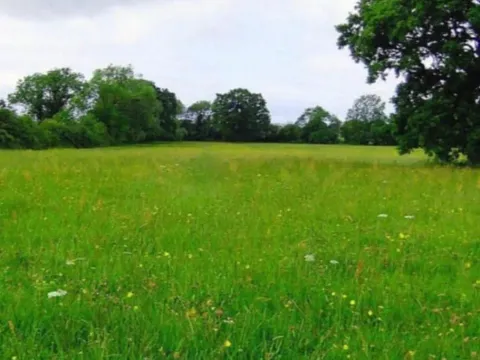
x=47, y=9
x=285, y=49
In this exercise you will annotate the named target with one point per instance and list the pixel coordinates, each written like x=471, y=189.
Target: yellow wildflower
x=192, y=313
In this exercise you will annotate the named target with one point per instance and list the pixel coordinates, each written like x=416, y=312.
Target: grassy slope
x=190, y=248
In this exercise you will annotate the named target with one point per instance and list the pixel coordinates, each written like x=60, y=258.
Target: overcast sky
x=285, y=49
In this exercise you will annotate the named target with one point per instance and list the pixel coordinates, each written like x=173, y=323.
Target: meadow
x=221, y=251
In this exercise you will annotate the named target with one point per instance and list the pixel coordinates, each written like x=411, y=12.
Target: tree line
x=60, y=108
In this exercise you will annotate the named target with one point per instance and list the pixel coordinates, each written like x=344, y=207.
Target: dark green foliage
x=84, y=133
x=8, y=128
x=241, y=115
x=127, y=106
x=18, y=132
x=290, y=133
x=318, y=126
x=180, y=107
x=367, y=108
x=273, y=133
x=170, y=107
x=435, y=47
x=44, y=95
x=382, y=132
x=114, y=107
x=197, y=120
x=367, y=123
x=356, y=132
x=117, y=106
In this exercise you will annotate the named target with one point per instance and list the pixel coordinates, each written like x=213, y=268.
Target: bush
x=18, y=132
x=85, y=133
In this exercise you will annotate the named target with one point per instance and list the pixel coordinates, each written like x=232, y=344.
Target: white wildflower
x=73, y=261
x=382, y=215
x=58, y=293
x=334, y=262
x=409, y=217
x=309, y=258
x=229, y=321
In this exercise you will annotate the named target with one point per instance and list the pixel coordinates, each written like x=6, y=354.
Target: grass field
x=209, y=251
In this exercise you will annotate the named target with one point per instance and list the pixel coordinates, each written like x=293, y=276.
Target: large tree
x=43, y=95
x=126, y=104
x=241, y=115
x=435, y=46
x=129, y=110
x=367, y=123
x=367, y=108
x=318, y=126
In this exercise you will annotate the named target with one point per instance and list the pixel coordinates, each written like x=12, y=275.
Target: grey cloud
x=48, y=9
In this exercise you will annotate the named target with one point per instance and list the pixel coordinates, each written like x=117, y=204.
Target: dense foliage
x=367, y=124
x=435, y=47
x=241, y=116
x=60, y=108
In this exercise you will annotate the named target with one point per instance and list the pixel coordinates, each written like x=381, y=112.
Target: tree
x=17, y=132
x=435, y=47
x=170, y=107
x=273, y=133
x=366, y=122
x=318, y=126
x=44, y=95
x=129, y=110
x=290, y=133
x=356, y=132
x=8, y=129
x=367, y=108
x=241, y=115
x=114, y=74
x=127, y=105
x=383, y=132
x=180, y=107
x=197, y=120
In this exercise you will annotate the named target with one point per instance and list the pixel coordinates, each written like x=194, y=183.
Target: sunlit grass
x=210, y=251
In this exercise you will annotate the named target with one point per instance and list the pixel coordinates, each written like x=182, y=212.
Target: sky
x=284, y=49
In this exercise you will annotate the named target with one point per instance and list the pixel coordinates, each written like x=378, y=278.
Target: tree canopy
x=61, y=108
x=319, y=126
x=434, y=46
x=241, y=115
x=44, y=95
x=367, y=123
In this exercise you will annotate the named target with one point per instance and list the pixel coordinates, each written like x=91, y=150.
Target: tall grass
x=198, y=252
